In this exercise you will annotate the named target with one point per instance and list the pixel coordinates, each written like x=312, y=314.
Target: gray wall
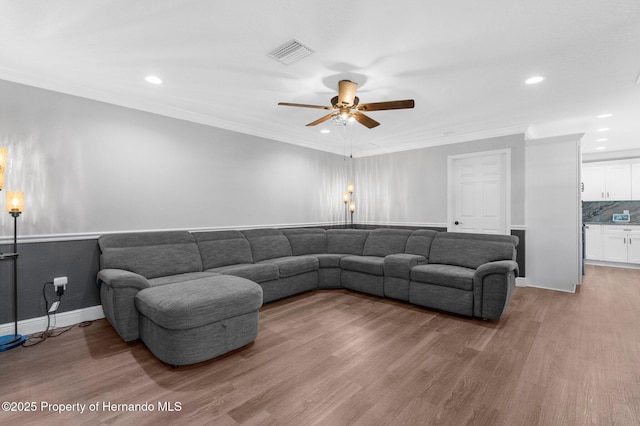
x=39, y=263
x=91, y=167
x=411, y=186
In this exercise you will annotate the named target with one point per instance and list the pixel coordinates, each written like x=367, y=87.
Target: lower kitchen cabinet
x=621, y=243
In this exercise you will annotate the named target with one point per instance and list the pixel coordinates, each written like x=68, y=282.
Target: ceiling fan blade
x=304, y=105
x=346, y=92
x=379, y=106
x=321, y=120
x=365, y=120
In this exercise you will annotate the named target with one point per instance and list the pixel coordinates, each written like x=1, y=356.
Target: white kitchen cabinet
x=593, y=242
x=633, y=248
x=621, y=243
x=635, y=181
x=593, y=186
x=606, y=181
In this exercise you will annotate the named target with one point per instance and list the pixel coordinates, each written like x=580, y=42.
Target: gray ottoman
x=193, y=321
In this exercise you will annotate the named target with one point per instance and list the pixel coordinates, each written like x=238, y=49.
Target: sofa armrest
x=399, y=265
x=497, y=267
x=118, y=289
x=119, y=278
x=493, y=285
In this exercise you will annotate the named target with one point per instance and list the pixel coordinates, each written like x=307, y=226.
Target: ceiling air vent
x=290, y=52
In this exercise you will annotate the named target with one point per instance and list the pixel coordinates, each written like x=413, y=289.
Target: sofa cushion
x=383, y=241
x=419, y=242
x=151, y=254
x=444, y=275
x=267, y=244
x=258, y=272
x=372, y=265
x=329, y=260
x=471, y=250
x=306, y=240
x=293, y=265
x=199, y=302
x=346, y=241
x=222, y=248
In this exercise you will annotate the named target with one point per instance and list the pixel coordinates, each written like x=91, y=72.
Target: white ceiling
x=464, y=62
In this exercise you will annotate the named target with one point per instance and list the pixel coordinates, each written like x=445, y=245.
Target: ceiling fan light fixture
x=339, y=120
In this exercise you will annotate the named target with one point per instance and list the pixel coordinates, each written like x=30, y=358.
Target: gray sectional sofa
x=468, y=274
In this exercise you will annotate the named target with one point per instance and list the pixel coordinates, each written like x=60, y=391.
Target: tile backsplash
x=601, y=211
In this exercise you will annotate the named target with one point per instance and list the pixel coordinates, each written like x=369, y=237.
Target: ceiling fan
x=346, y=107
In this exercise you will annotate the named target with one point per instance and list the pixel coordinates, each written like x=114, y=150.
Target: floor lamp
x=15, y=206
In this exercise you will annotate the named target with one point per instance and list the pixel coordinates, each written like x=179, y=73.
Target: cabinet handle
x=607, y=194
x=624, y=240
x=603, y=195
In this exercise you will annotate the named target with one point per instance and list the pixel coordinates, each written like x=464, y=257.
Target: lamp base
x=11, y=341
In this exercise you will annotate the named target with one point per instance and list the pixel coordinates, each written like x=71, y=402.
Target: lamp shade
x=345, y=197
x=15, y=201
x=352, y=206
x=350, y=188
x=3, y=164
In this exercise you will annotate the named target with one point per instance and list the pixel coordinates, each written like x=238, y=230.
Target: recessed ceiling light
x=600, y=148
x=535, y=79
x=602, y=140
x=153, y=79
x=603, y=129
x=605, y=115
x=325, y=131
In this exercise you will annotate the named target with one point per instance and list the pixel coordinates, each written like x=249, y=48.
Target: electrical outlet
x=60, y=282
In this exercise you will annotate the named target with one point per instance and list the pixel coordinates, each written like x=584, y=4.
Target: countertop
x=613, y=223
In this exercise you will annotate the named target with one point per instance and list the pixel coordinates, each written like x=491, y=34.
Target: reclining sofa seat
x=296, y=274
x=365, y=272
x=468, y=274
x=229, y=253
x=313, y=242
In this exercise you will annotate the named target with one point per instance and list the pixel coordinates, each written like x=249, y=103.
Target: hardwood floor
x=335, y=357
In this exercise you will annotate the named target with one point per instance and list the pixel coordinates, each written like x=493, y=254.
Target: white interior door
x=478, y=192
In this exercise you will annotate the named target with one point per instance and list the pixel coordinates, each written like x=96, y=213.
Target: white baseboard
x=63, y=319
x=553, y=288
x=521, y=282
x=612, y=264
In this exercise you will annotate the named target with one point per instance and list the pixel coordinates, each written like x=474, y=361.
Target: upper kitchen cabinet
x=607, y=181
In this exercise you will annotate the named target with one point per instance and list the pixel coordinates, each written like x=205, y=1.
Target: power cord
x=51, y=307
